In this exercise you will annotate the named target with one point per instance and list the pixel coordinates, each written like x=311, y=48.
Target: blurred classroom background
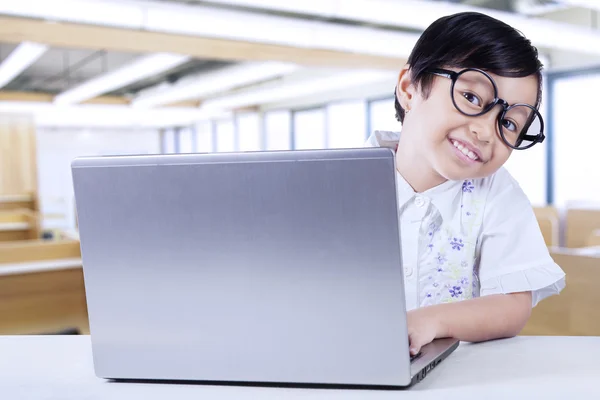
x=93, y=77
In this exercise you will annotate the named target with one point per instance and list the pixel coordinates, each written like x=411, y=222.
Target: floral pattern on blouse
x=448, y=267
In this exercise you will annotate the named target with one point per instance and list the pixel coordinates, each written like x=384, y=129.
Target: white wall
x=57, y=147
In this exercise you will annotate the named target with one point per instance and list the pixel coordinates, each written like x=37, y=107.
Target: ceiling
x=62, y=68
x=516, y=6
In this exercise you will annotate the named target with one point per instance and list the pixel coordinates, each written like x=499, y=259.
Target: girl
x=475, y=260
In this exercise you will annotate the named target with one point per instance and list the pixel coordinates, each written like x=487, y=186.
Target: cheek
x=437, y=121
x=500, y=155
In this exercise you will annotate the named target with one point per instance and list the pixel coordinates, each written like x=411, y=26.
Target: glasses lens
x=473, y=93
x=521, y=126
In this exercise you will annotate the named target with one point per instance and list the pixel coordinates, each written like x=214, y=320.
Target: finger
x=415, y=344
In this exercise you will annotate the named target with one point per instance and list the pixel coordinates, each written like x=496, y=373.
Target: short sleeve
x=383, y=139
x=513, y=255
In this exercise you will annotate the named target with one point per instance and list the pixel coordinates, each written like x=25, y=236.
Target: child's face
x=438, y=132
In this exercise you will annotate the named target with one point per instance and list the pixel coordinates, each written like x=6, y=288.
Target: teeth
x=464, y=150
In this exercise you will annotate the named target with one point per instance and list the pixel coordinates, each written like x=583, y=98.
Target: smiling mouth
x=465, y=151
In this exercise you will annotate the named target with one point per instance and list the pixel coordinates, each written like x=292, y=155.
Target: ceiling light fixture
x=136, y=71
x=19, y=60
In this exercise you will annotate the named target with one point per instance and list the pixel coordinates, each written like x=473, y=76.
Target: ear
x=405, y=89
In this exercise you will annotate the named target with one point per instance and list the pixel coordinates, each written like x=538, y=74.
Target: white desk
x=60, y=367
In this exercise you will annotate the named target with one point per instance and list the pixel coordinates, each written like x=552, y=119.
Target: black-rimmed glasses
x=475, y=93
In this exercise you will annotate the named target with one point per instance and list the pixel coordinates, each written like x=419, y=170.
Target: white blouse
x=464, y=239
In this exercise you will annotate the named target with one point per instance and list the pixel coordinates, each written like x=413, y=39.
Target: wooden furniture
x=18, y=154
x=580, y=224
x=18, y=177
x=20, y=224
x=594, y=239
x=41, y=367
x=575, y=310
x=18, y=201
x=41, y=287
x=549, y=222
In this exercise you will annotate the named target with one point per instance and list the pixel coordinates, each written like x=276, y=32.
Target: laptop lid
x=275, y=267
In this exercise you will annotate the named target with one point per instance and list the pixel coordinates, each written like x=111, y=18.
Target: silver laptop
x=274, y=268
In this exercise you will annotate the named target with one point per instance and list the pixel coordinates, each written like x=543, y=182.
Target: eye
x=508, y=124
x=472, y=98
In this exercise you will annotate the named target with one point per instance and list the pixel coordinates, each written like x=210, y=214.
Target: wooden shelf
x=14, y=226
x=39, y=266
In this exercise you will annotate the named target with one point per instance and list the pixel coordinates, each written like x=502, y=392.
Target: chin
x=464, y=175
x=454, y=172
x=456, y=176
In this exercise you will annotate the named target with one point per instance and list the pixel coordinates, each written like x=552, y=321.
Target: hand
x=423, y=327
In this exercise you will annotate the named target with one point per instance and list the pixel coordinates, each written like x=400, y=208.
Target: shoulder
x=499, y=187
x=505, y=202
x=513, y=256
x=383, y=139
x=500, y=181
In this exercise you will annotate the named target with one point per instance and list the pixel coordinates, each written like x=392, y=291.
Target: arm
x=515, y=271
x=475, y=320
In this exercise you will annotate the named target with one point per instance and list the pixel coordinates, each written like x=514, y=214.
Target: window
x=168, y=141
x=383, y=116
x=309, y=129
x=529, y=166
x=249, y=132
x=576, y=140
x=277, y=130
x=204, y=137
x=186, y=140
x=225, y=135
x=346, y=124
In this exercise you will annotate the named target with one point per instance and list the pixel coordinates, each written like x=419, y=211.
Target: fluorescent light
x=206, y=21
x=197, y=20
x=326, y=8
x=419, y=14
x=591, y=4
x=100, y=12
x=253, y=27
x=281, y=92
x=139, y=69
x=534, y=9
x=19, y=60
x=218, y=81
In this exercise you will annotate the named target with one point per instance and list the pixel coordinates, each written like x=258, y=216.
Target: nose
x=485, y=127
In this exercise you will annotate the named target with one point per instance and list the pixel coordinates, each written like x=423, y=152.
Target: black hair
x=471, y=40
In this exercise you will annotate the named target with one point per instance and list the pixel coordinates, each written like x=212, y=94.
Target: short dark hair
x=471, y=40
